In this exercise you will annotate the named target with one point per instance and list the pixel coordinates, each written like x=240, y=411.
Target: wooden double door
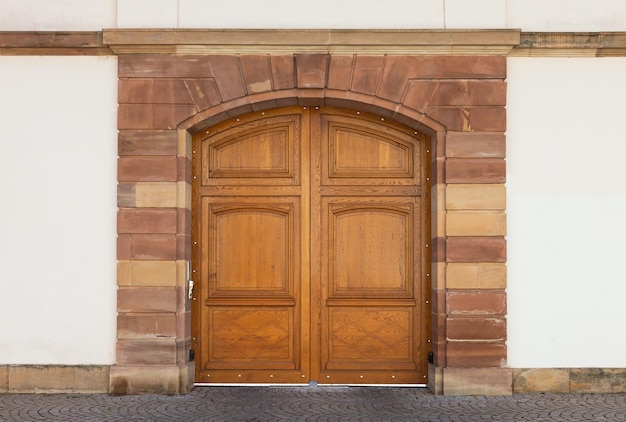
x=310, y=259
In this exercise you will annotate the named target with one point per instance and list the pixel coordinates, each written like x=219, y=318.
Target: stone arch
x=459, y=101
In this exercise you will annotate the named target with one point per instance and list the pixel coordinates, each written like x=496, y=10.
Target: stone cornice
x=53, y=43
x=347, y=41
x=571, y=44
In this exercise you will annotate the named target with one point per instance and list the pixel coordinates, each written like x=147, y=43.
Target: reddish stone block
x=311, y=70
x=438, y=249
x=476, y=249
x=183, y=172
x=439, y=353
x=438, y=171
x=134, y=116
x=170, y=116
x=147, y=169
x=203, y=92
x=157, y=91
x=340, y=72
x=366, y=75
x=183, y=225
x=145, y=325
x=475, y=354
x=183, y=246
x=476, y=328
x=283, y=71
x=147, y=142
x=163, y=66
x=453, y=118
x=400, y=69
x=469, y=93
x=123, y=246
x=419, y=93
x=146, y=299
x=153, y=246
x=161, y=351
x=256, y=73
x=475, y=302
x=488, y=119
x=183, y=324
x=227, y=73
x=438, y=301
x=475, y=144
x=146, y=221
x=475, y=170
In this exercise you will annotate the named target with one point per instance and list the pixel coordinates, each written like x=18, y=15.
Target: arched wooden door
x=309, y=257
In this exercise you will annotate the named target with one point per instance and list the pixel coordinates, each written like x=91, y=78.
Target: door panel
x=308, y=250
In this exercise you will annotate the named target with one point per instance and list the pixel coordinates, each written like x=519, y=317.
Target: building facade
x=426, y=194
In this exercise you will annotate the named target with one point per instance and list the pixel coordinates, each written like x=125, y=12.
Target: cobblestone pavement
x=257, y=404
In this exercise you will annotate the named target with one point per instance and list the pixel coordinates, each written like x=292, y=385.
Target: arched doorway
x=310, y=230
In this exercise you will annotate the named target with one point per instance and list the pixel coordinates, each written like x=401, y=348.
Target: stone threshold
x=511, y=42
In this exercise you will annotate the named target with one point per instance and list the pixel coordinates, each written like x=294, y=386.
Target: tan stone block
x=476, y=197
x=58, y=379
x=151, y=273
x=475, y=276
x=435, y=379
x=541, y=380
x=438, y=280
x=183, y=195
x=438, y=197
x=475, y=223
x=598, y=380
x=123, y=273
x=156, y=194
x=151, y=379
x=438, y=224
x=477, y=381
x=184, y=144
x=4, y=378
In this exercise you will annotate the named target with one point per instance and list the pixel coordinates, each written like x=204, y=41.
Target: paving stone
x=337, y=403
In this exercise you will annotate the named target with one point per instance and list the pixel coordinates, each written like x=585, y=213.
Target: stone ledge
x=569, y=380
x=56, y=379
x=571, y=44
x=52, y=43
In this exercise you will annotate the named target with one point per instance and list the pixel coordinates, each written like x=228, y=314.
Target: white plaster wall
x=566, y=15
x=57, y=15
x=528, y=15
x=58, y=143
x=566, y=193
